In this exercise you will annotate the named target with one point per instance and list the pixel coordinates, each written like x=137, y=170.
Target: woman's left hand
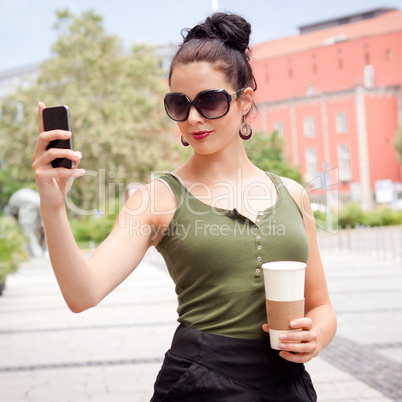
x=305, y=347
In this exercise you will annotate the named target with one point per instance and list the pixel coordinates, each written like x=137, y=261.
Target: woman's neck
x=226, y=165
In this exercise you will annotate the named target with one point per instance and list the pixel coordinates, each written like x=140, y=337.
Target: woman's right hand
x=53, y=183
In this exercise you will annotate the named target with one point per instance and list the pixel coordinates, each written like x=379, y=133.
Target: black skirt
x=202, y=367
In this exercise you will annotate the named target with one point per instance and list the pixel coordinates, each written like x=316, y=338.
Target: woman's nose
x=194, y=116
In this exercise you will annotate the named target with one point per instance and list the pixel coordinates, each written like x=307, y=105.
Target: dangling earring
x=184, y=142
x=245, y=131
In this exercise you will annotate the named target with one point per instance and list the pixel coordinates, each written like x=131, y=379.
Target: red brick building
x=334, y=92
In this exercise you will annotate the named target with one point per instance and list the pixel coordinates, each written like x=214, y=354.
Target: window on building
x=340, y=64
x=341, y=123
x=368, y=76
x=311, y=164
x=388, y=54
x=310, y=90
x=290, y=73
x=309, y=127
x=345, y=173
x=278, y=126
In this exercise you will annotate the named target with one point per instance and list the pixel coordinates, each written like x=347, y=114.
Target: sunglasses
x=211, y=104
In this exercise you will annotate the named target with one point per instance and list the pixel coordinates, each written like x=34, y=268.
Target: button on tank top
x=214, y=257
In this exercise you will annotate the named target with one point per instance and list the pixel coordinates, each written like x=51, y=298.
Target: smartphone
x=58, y=118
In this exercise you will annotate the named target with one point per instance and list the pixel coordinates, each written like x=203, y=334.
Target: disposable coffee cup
x=284, y=293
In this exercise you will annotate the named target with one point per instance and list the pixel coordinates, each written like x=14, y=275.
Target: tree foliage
x=115, y=98
x=12, y=247
x=398, y=144
x=267, y=152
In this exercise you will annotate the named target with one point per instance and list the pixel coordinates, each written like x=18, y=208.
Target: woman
x=215, y=220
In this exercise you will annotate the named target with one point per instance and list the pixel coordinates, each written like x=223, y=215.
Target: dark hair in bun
x=232, y=30
x=223, y=40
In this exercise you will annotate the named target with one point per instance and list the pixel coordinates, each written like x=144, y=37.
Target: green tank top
x=214, y=257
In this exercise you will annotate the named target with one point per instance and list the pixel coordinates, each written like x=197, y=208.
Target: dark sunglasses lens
x=176, y=106
x=213, y=104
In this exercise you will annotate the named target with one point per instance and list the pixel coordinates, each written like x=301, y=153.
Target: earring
x=245, y=131
x=184, y=142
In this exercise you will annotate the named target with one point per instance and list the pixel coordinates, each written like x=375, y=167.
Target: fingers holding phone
x=58, y=118
x=55, y=143
x=54, y=157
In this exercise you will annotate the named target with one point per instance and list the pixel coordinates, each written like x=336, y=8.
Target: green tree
x=115, y=98
x=8, y=187
x=267, y=152
x=12, y=248
x=398, y=144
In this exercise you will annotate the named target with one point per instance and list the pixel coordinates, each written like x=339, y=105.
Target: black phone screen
x=58, y=118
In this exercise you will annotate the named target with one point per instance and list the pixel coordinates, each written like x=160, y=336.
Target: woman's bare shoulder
x=155, y=198
x=300, y=195
x=294, y=188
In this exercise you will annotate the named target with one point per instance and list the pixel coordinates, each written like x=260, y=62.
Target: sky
x=26, y=26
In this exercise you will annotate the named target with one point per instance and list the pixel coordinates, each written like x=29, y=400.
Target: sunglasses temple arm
x=236, y=94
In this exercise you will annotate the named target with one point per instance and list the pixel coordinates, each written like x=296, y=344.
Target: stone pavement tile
x=84, y=346
x=364, y=327
x=110, y=353
x=107, y=383
x=366, y=365
x=136, y=321
x=366, y=293
x=394, y=354
x=385, y=298
x=132, y=379
x=334, y=385
x=33, y=300
x=367, y=297
x=322, y=371
x=15, y=388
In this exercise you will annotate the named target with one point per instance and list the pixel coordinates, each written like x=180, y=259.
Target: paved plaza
x=114, y=351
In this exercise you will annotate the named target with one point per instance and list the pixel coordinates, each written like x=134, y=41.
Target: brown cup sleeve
x=280, y=313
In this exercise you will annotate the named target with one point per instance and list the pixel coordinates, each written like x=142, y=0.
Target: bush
x=382, y=217
x=352, y=214
x=92, y=228
x=12, y=247
x=323, y=219
x=320, y=216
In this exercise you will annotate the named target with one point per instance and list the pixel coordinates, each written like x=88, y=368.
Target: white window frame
x=278, y=126
x=345, y=172
x=311, y=164
x=368, y=73
x=341, y=123
x=309, y=128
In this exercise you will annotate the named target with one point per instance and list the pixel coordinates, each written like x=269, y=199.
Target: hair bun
x=234, y=31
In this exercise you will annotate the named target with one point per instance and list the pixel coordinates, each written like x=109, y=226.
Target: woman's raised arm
x=84, y=283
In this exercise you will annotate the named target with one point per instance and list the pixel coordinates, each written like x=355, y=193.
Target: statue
x=24, y=206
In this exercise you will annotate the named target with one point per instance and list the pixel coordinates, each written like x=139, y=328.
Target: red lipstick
x=200, y=135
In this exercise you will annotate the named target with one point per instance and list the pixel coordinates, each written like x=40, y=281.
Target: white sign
x=384, y=191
